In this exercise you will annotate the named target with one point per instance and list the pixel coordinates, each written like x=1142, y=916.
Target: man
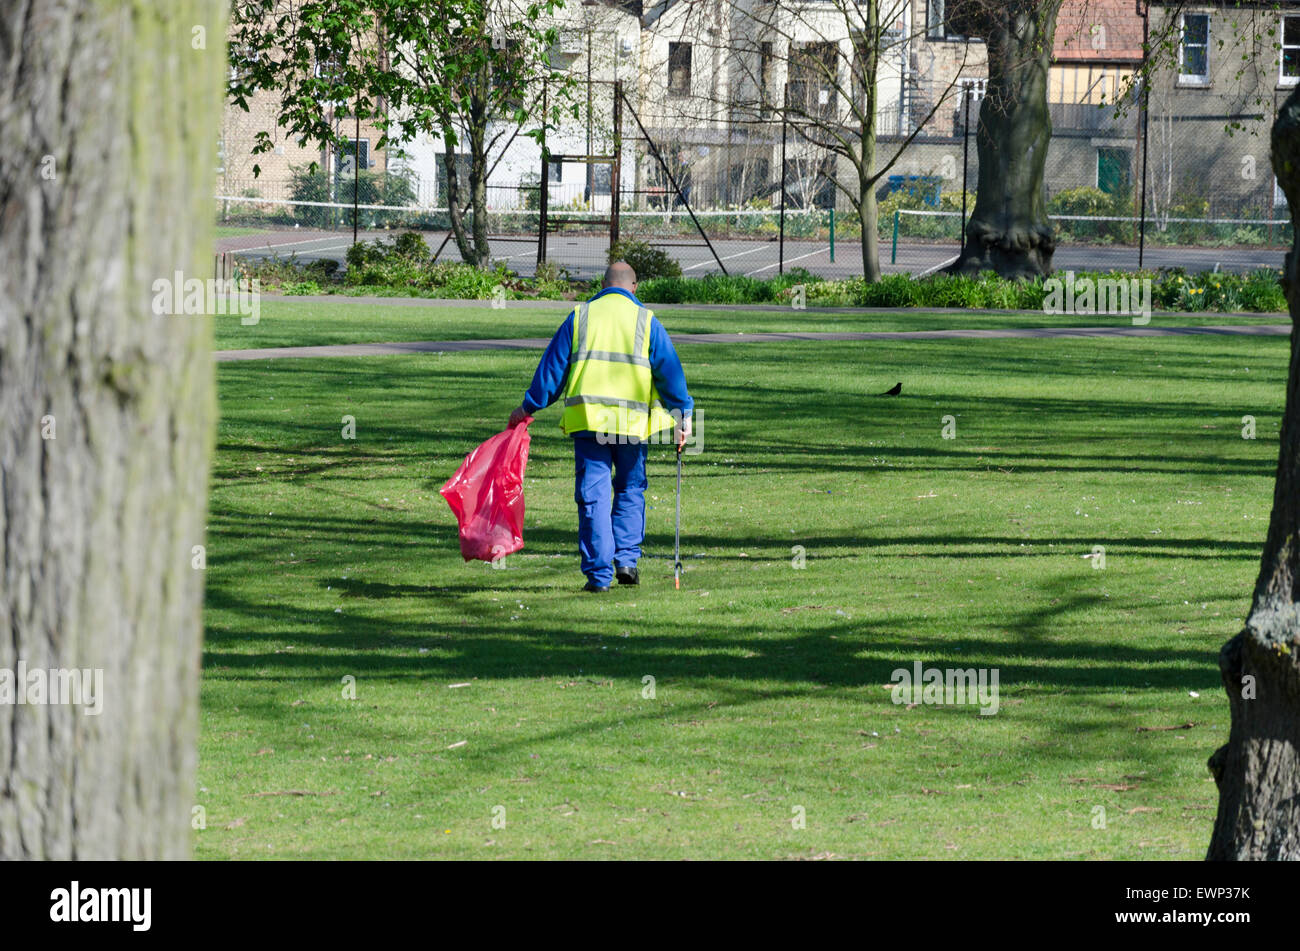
x=616, y=368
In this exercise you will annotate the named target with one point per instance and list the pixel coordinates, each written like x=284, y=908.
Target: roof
x=1098, y=31
x=653, y=11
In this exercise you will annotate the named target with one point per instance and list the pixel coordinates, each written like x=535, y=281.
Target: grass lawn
x=309, y=323
x=508, y=696
x=236, y=231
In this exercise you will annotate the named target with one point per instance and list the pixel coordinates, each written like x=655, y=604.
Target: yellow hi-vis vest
x=610, y=387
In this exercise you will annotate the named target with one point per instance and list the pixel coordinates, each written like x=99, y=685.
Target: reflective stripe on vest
x=610, y=387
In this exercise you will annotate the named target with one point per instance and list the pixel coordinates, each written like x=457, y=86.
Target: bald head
x=620, y=274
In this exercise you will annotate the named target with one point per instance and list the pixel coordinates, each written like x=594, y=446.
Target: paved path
x=539, y=343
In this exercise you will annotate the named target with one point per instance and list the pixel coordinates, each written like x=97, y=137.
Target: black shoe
x=595, y=588
x=627, y=575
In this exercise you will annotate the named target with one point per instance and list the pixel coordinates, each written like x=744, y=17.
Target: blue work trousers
x=610, y=530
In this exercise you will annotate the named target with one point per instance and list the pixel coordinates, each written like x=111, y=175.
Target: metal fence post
x=965, y=171
x=780, y=261
x=1146, y=119
x=616, y=167
x=544, y=190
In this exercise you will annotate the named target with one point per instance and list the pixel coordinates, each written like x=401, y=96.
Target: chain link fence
x=750, y=195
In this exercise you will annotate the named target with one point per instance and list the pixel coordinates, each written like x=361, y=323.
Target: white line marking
x=788, y=261
x=938, y=266
x=725, y=257
x=289, y=244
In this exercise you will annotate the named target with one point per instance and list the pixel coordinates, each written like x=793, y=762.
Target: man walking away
x=616, y=368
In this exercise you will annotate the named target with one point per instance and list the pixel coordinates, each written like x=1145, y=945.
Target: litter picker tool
x=677, y=531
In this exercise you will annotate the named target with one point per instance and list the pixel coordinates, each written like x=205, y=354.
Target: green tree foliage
x=457, y=70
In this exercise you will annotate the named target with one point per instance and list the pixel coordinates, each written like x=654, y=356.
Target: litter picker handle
x=677, y=533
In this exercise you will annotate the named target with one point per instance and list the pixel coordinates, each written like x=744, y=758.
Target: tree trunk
x=478, y=171
x=454, y=204
x=869, y=215
x=110, y=116
x=868, y=206
x=1009, y=231
x=1258, y=770
x=472, y=236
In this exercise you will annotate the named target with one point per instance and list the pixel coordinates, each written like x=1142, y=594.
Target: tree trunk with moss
x=110, y=115
x=1009, y=231
x=1258, y=770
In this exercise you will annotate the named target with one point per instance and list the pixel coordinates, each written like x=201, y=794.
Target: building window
x=936, y=21
x=1194, y=50
x=679, y=69
x=764, y=77
x=814, y=71
x=1290, y=74
x=351, y=155
x=975, y=88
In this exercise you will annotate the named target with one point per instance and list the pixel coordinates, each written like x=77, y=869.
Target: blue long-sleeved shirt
x=665, y=366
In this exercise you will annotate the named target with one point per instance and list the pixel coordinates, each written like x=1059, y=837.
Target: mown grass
x=235, y=231
x=307, y=323
x=509, y=695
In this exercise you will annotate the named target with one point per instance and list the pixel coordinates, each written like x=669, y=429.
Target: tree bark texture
x=1258, y=770
x=1009, y=231
x=110, y=114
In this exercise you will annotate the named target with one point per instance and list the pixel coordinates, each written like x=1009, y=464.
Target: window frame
x=806, y=56
x=979, y=84
x=675, y=91
x=766, y=64
x=1193, y=79
x=936, y=29
x=1282, y=78
x=941, y=33
x=344, y=154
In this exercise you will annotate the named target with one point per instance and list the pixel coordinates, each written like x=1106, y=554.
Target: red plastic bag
x=487, y=496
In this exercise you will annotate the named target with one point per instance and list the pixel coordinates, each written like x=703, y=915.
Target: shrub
x=922, y=226
x=377, y=269
x=411, y=244
x=648, y=262
x=321, y=269
x=1081, y=201
x=1092, y=202
x=724, y=288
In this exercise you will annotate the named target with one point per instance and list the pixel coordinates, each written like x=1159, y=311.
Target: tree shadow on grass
x=469, y=639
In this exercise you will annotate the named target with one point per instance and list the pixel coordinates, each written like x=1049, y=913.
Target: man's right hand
x=517, y=416
x=683, y=432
